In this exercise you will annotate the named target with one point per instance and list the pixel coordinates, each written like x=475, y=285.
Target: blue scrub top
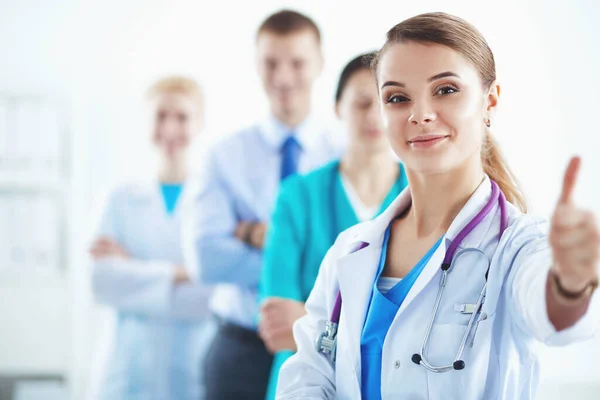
x=171, y=193
x=381, y=314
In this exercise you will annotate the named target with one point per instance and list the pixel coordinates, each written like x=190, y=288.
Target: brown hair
x=286, y=22
x=178, y=84
x=457, y=34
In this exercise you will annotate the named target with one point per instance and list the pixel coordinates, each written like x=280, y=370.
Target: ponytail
x=498, y=170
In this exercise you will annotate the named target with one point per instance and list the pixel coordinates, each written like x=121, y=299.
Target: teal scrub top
x=380, y=315
x=310, y=212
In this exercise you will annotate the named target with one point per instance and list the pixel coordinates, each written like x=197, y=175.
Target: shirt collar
x=276, y=132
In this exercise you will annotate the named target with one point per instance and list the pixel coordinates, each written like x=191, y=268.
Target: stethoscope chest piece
x=326, y=342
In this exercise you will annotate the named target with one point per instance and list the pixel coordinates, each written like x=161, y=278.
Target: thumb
x=569, y=181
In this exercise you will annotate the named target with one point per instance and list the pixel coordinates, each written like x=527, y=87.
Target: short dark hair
x=359, y=63
x=285, y=22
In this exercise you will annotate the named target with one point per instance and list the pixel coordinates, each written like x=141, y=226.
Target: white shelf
x=32, y=185
x=31, y=278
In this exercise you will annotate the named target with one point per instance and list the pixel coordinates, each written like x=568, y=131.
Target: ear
x=337, y=109
x=492, y=99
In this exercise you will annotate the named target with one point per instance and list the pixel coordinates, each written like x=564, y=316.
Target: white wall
x=102, y=55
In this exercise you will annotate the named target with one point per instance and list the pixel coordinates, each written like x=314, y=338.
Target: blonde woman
x=138, y=269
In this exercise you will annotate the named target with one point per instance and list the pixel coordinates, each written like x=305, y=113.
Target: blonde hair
x=457, y=34
x=178, y=84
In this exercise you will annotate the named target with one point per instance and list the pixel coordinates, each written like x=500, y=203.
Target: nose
x=422, y=114
x=283, y=76
x=374, y=114
x=169, y=129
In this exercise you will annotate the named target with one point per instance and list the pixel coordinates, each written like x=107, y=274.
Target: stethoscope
x=326, y=342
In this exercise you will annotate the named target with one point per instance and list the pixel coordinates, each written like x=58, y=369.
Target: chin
x=428, y=164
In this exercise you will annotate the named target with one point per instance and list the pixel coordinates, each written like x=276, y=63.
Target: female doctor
x=162, y=325
x=313, y=209
x=449, y=292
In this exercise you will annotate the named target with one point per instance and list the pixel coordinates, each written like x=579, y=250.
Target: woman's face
x=358, y=109
x=175, y=123
x=433, y=105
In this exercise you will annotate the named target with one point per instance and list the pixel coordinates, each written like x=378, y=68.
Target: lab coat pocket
x=481, y=362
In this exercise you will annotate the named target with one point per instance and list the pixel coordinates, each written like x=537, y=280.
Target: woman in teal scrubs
x=313, y=209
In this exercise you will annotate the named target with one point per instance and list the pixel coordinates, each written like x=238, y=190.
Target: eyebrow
x=442, y=75
x=433, y=78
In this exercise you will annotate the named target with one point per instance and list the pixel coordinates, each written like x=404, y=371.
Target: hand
x=277, y=319
x=257, y=236
x=106, y=247
x=180, y=275
x=251, y=233
x=574, y=237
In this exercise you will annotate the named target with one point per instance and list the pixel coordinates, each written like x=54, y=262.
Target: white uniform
x=162, y=330
x=502, y=364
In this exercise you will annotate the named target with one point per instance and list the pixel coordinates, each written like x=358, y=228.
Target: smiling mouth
x=426, y=141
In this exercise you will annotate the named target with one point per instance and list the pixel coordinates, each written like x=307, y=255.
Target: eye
x=397, y=98
x=298, y=64
x=271, y=64
x=161, y=116
x=446, y=90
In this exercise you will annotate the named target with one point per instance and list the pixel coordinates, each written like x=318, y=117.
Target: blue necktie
x=290, y=155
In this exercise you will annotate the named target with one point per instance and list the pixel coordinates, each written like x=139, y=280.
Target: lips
x=426, y=141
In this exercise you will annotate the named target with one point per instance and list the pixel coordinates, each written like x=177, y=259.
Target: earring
x=487, y=122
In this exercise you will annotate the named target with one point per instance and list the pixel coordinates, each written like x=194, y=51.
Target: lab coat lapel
x=356, y=272
x=150, y=193
x=430, y=270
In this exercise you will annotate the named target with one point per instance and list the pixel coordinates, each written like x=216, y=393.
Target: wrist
x=246, y=234
x=571, y=294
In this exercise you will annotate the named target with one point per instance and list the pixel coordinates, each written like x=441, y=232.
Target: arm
x=282, y=269
x=308, y=374
x=282, y=273
x=189, y=301
x=563, y=301
x=123, y=282
x=134, y=285
x=532, y=300
x=209, y=240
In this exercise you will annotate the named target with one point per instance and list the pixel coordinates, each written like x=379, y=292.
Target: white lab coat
x=503, y=362
x=161, y=330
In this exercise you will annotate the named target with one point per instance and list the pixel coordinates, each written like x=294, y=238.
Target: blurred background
x=72, y=78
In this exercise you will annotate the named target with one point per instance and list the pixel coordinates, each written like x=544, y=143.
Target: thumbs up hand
x=575, y=239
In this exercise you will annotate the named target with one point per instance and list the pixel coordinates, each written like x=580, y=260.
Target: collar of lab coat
x=357, y=269
x=148, y=192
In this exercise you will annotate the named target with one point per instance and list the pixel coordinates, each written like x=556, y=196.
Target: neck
x=358, y=163
x=172, y=171
x=438, y=198
x=292, y=118
x=372, y=174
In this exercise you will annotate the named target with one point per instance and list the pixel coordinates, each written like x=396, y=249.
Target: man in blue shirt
x=238, y=190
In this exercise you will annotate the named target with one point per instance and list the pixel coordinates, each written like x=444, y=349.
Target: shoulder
x=317, y=177
x=127, y=190
x=311, y=182
x=323, y=172
x=236, y=141
x=525, y=234
x=117, y=199
x=522, y=225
